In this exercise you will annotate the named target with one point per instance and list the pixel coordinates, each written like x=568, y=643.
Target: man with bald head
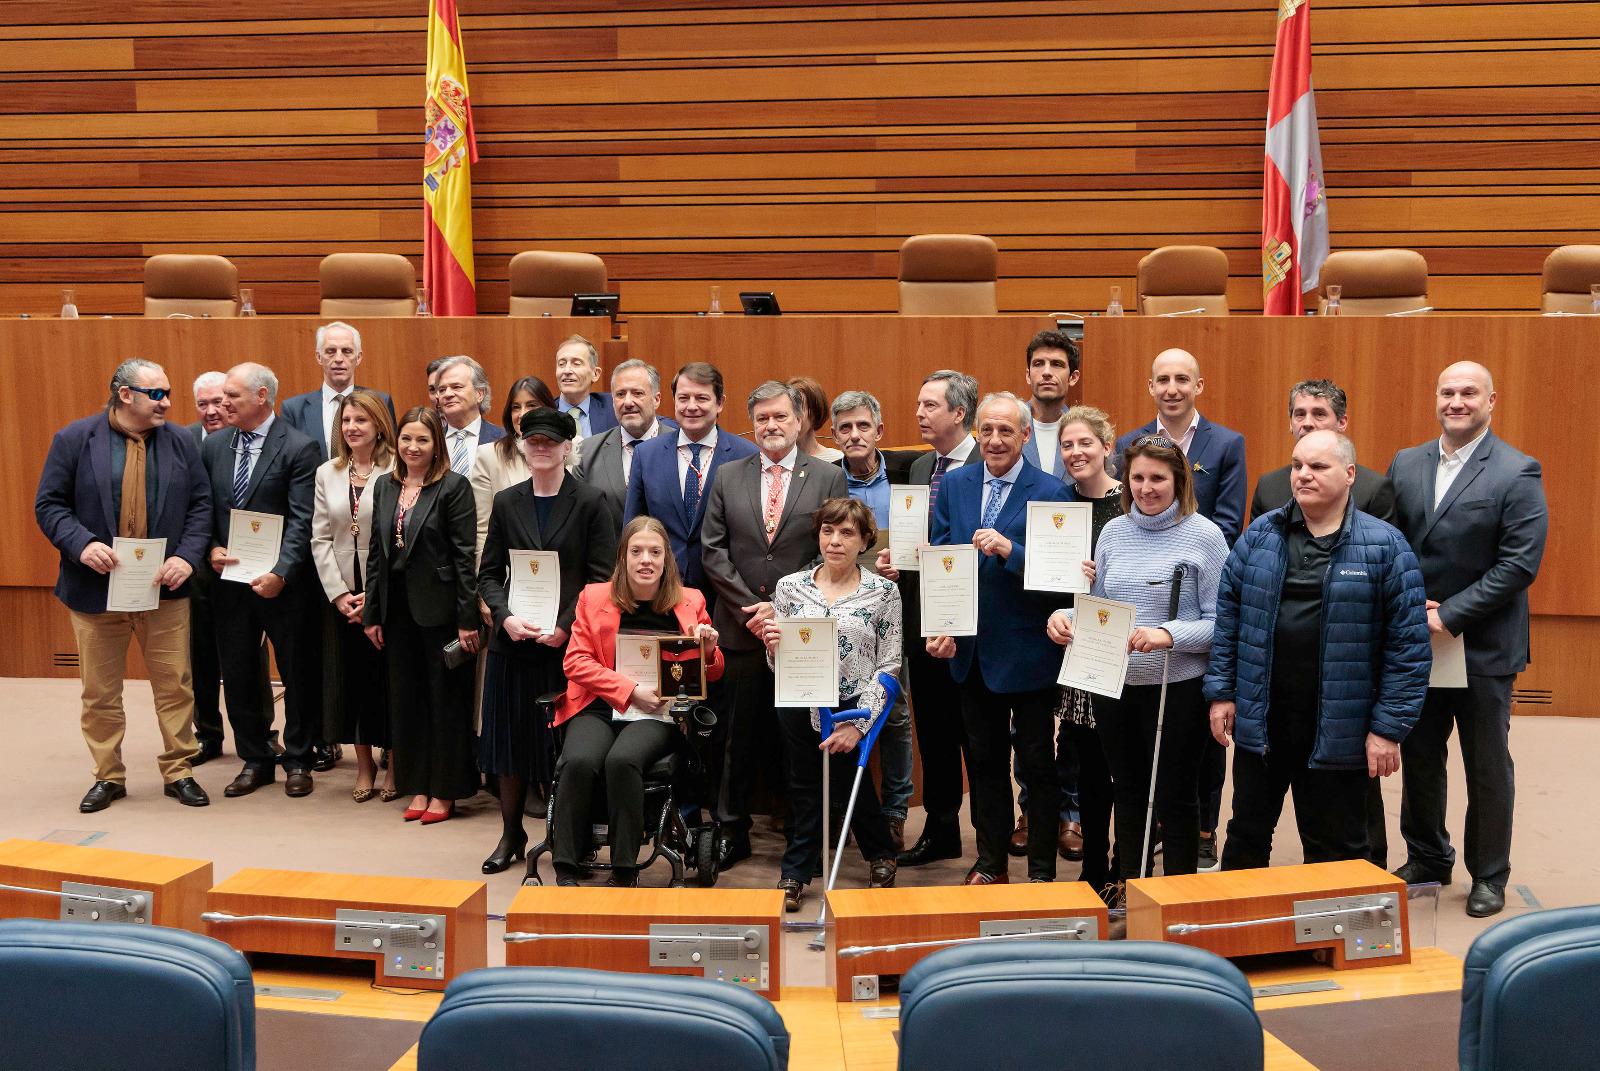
x=1474, y=509
x=1319, y=661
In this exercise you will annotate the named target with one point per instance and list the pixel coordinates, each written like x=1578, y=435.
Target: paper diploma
x=908, y=524
x=639, y=659
x=1449, y=661
x=535, y=588
x=1097, y=658
x=133, y=588
x=256, y=540
x=806, y=666
x=1058, y=545
x=949, y=590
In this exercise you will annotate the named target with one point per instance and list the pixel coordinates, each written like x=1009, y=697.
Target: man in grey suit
x=338, y=355
x=608, y=457
x=757, y=529
x=1474, y=510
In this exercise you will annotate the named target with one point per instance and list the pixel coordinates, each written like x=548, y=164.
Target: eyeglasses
x=155, y=394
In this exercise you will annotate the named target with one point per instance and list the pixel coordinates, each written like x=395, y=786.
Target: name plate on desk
x=100, y=885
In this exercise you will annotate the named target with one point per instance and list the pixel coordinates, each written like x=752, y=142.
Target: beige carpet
x=46, y=769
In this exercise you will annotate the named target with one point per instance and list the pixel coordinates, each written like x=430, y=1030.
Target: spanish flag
x=1294, y=201
x=450, y=151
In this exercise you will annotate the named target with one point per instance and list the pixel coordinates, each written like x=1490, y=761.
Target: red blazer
x=590, y=662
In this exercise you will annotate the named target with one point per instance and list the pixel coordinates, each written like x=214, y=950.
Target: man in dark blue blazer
x=1006, y=673
x=265, y=466
x=313, y=413
x=577, y=371
x=1216, y=460
x=126, y=473
x=672, y=474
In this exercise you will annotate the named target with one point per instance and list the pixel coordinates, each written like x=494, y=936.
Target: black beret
x=551, y=423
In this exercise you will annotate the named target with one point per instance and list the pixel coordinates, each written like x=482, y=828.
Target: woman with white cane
x=1166, y=560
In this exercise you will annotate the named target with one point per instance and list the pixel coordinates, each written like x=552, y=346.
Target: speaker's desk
x=175, y=888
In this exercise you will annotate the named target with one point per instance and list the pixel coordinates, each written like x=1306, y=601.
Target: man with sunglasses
x=125, y=472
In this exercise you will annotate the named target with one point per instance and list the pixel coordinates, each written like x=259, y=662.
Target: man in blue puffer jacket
x=1319, y=662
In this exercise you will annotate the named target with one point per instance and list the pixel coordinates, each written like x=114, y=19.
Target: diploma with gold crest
x=1058, y=545
x=256, y=540
x=908, y=524
x=534, y=591
x=133, y=588
x=639, y=659
x=806, y=667
x=1097, y=658
x=949, y=590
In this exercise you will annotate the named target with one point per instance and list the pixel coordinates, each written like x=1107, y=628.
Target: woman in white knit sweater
x=1160, y=541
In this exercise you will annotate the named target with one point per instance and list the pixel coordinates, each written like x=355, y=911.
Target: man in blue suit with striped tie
x=463, y=398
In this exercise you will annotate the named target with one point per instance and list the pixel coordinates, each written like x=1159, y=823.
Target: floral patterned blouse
x=869, y=634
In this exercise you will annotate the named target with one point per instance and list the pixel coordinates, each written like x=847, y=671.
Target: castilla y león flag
x=1294, y=205
x=449, y=152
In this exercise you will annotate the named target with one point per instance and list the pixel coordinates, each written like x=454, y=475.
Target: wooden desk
x=939, y=913
x=1154, y=904
x=556, y=910
x=304, y=894
x=177, y=886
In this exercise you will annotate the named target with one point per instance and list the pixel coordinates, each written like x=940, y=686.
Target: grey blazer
x=739, y=562
x=601, y=466
x=1480, y=549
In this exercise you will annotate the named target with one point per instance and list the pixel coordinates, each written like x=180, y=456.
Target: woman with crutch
x=1166, y=560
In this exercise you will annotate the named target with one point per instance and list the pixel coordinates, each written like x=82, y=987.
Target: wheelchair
x=681, y=773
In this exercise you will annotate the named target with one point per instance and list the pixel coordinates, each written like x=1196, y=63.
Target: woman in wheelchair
x=867, y=608
x=613, y=726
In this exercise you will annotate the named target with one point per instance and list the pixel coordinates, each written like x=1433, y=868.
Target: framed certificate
x=949, y=590
x=1097, y=658
x=255, y=540
x=534, y=588
x=908, y=524
x=806, y=667
x=1058, y=545
x=133, y=588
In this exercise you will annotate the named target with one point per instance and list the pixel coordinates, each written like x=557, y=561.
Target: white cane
x=1161, y=720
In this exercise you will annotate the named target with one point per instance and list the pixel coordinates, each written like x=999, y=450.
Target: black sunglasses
x=155, y=394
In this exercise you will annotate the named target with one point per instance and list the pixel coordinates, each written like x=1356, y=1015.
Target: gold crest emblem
x=677, y=671
x=908, y=502
x=255, y=526
x=1058, y=519
x=644, y=650
x=1105, y=615
x=805, y=635
x=949, y=563
x=138, y=554
x=533, y=566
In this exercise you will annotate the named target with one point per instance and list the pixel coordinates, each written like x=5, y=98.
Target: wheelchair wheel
x=705, y=860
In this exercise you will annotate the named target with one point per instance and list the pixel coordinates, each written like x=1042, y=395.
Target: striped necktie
x=460, y=456
x=939, y=465
x=241, y=475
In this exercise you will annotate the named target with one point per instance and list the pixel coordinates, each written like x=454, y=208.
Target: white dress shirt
x=959, y=452
x=631, y=443
x=781, y=471
x=1005, y=480
x=451, y=437
x=255, y=445
x=710, y=444
x=1450, y=465
x=1187, y=437
x=330, y=405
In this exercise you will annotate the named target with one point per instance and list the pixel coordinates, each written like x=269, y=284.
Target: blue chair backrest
x=559, y=1018
x=1068, y=1004
x=1530, y=993
x=134, y=998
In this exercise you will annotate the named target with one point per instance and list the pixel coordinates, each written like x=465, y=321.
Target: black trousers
x=241, y=619
x=941, y=735
x=1213, y=776
x=749, y=749
x=1377, y=824
x=1127, y=728
x=1094, y=801
x=803, y=852
x=597, y=745
x=1481, y=713
x=989, y=717
x=430, y=706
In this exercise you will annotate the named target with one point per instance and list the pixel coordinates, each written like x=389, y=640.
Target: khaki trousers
x=163, y=635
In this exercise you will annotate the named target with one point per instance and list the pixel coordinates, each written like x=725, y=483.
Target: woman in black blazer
x=550, y=511
x=420, y=599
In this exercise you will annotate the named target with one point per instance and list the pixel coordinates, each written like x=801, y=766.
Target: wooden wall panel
x=789, y=147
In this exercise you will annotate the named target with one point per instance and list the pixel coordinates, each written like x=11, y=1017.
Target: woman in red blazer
x=614, y=726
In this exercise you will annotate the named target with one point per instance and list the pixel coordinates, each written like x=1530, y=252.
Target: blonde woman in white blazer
x=355, y=698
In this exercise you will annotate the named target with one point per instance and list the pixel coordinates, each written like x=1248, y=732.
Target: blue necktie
x=691, y=482
x=991, y=509
x=241, y=475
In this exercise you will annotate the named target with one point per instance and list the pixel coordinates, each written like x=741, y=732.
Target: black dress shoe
x=505, y=853
x=1416, y=874
x=297, y=784
x=732, y=850
x=933, y=845
x=623, y=879
x=100, y=796
x=187, y=792
x=326, y=757
x=1485, y=899
x=273, y=744
x=881, y=875
x=250, y=778
x=209, y=749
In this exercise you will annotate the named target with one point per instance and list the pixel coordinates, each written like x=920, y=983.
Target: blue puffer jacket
x=1376, y=655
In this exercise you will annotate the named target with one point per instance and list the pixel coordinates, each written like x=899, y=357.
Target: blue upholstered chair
x=558, y=1018
x=134, y=998
x=1067, y=1005
x=1530, y=993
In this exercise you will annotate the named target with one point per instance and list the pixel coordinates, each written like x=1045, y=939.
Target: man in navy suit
x=577, y=371
x=127, y=473
x=1006, y=673
x=672, y=474
x=339, y=355
x=1216, y=458
x=463, y=397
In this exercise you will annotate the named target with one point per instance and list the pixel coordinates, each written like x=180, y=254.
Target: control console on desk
x=731, y=935
x=883, y=932
x=42, y=880
x=1355, y=910
x=418, y=932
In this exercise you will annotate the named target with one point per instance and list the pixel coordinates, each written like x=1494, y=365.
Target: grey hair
x=127, y=375
x=768, y=391
x=633, y=364
x=255, y=376
x=1024, y=414
x=208, y=379
x=571, y=340
x=858, y=399
x=960, y=392
x=480, y=378
x=322, y=334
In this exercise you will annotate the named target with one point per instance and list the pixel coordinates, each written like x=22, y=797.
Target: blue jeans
x=894, y=756
x=1066, y=770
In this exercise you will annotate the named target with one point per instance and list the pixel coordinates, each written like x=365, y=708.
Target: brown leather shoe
x=978, y=877
x=1070, y=841
x=297, y=784
x=250, y=778
x=1018, y=844
x=897, y=834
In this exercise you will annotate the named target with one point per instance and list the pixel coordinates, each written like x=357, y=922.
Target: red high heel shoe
x=430, y=818
x=414, y=813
